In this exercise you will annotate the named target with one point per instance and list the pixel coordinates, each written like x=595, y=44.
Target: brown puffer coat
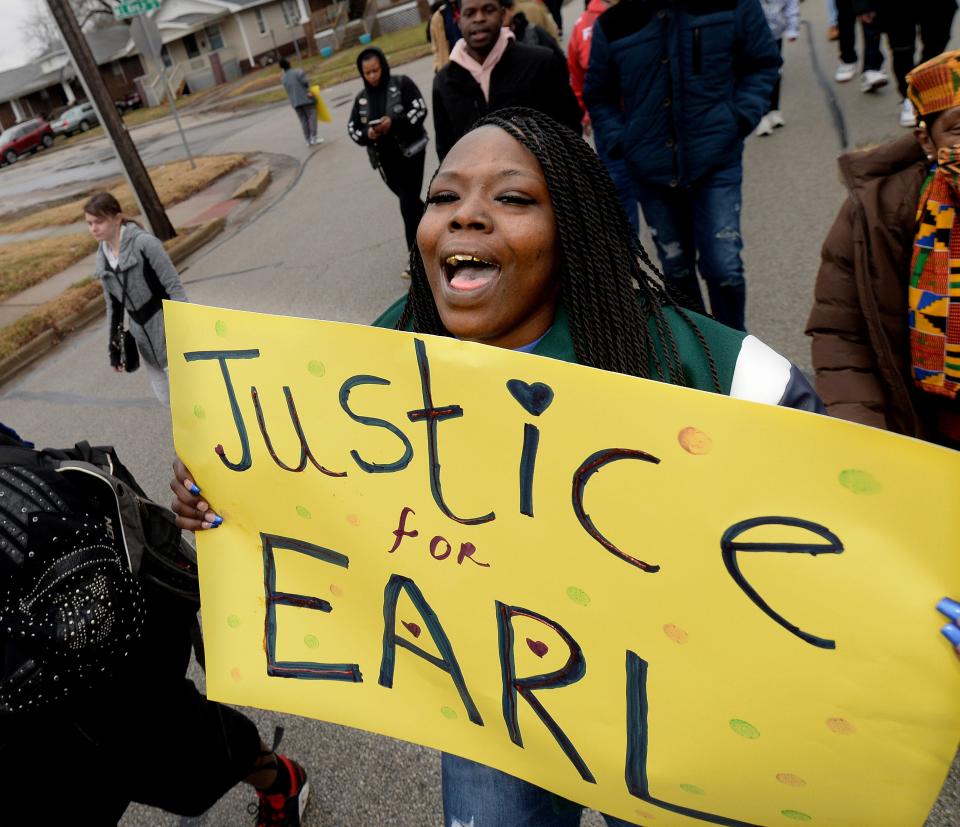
x=861, y=345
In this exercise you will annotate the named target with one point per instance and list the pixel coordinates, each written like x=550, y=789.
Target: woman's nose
x=471, y=214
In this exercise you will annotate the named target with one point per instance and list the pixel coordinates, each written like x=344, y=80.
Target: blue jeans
x=479, y=796
x=698, y=227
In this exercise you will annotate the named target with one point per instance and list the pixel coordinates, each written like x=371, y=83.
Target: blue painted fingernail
x=949, y=608
x=217, y=521
x=194, y=489
x=951, y=633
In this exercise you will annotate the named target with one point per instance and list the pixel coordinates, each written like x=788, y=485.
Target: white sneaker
x=908, y=115
x=775, y=118
x=764, y=127
x=845, y=72
x=873, y=79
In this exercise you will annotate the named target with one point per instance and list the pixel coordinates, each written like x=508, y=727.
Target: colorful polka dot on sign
x=790, y=779
x=199, y=412
x=311, y=641
x=220, y=327
x=675, y=633
x=745, y=729
x=335, y=590
x=353, y=519
x=236, y=674
x=694, y=441
x=796, y=815
x=841, y=726
x=578, y=596
x=693, y=789
x=317, y=368
x=233, y=621
x=448, y=712
x=303, y=512
x=859, y=482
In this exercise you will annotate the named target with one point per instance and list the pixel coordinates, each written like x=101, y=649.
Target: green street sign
x=132, y=8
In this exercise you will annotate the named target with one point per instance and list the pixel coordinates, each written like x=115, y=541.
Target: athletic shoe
x=873, y=79
x=908, y=115
x=764, y=127
x=776, y=119
x=833, y=33
x=285, y=807
x=845, y=72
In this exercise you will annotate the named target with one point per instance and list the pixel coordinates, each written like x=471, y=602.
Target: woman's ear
x=926, y=142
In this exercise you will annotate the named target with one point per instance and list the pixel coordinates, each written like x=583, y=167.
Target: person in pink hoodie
x=578, y=59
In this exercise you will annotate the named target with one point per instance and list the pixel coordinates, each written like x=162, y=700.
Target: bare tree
x=40, y=31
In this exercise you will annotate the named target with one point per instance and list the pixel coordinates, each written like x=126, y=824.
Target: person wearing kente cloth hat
x=886, y=317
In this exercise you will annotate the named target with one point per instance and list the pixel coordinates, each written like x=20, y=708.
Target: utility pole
x=99, y=96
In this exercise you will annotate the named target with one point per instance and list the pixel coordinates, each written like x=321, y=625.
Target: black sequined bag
x=79, y=543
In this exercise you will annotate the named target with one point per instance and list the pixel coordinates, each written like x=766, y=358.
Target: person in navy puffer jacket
x=674, y=86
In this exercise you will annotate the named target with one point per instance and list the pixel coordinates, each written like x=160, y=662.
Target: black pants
x=404, y=176
x=775, y=94
x=555, y=7
x=847, y=23
x=900, y=20
x=148, y=736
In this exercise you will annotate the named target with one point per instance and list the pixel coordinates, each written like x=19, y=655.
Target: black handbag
x=128, y=355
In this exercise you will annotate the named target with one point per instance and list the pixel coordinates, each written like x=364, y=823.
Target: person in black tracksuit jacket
x=523, y=75
x=387, y=119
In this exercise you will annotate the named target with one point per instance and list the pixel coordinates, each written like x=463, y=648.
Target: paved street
x=331, y=246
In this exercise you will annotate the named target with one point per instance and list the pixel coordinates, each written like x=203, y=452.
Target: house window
x=190, y=44
x=261, y=23
x=214, y=37
x=117, y=68
x=291, y=12
x=165, y=56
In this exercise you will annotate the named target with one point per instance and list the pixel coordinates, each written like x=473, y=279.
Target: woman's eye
x=442, y=198
x=516, y=198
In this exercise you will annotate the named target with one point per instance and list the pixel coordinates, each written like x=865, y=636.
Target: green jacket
x=747, y=368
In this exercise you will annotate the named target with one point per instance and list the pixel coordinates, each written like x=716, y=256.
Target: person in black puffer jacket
x=387, y=119
x=673, y=87
x=489, y=70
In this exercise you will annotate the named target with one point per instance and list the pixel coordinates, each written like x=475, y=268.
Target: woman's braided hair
x=612, y=300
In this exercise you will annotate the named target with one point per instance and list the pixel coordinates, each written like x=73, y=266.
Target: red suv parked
x=23, y=138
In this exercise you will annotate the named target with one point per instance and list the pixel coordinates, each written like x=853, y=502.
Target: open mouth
x=466, y=273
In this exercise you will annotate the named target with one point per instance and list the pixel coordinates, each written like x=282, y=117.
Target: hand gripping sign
x=665, y=604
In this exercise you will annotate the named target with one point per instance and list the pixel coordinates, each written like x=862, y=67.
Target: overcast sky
x=14, y=50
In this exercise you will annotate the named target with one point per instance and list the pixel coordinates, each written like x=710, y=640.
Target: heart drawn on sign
x=538, y=647
x=535, y=398
x=412, y=628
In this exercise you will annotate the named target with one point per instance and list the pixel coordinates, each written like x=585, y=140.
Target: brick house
x=49, y=83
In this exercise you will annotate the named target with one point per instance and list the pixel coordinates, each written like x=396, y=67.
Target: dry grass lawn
x=47, y=317
x=399, y=47
x=174, y=183
x=26, y=263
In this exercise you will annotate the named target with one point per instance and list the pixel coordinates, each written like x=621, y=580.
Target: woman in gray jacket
x=136, y=275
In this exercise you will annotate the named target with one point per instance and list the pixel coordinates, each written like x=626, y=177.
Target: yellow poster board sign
x=671, y=606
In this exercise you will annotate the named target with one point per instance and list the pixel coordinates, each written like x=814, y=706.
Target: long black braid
x=611, y=299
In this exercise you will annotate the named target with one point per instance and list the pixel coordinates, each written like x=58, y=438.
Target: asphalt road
x=332, y=247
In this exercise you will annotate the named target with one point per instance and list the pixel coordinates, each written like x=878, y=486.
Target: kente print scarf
x=934, y=300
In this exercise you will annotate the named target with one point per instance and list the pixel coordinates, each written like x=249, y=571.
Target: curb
x=252, y=187
x=96, y=307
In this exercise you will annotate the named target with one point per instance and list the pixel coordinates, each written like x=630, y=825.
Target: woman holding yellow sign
x=524, y=245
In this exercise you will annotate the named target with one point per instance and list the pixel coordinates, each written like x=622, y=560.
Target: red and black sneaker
x=286, y=806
